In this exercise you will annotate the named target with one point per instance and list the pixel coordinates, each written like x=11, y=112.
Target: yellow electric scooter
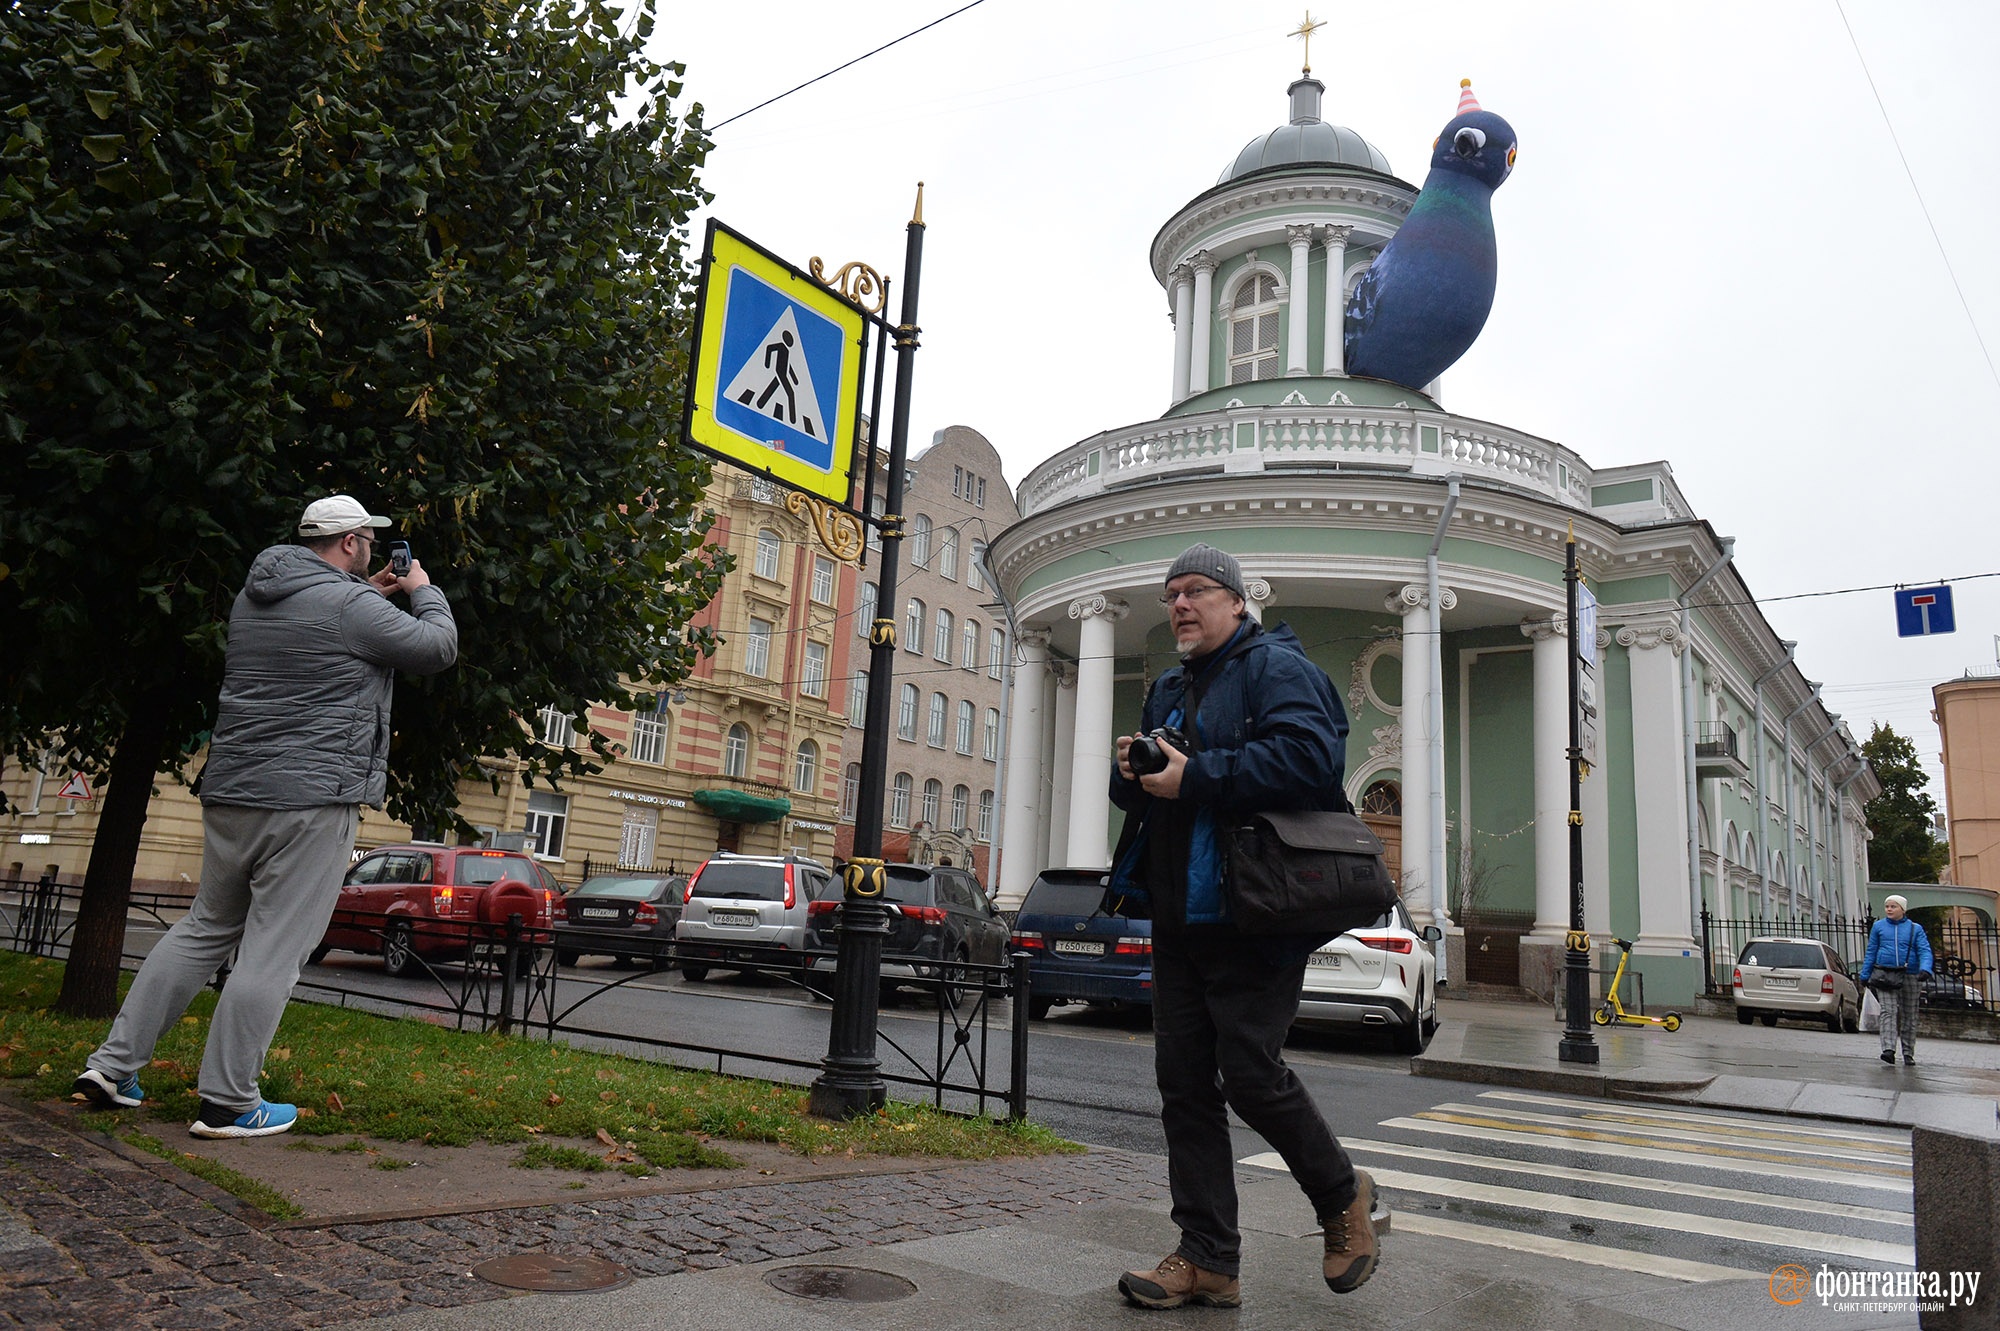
x=1611, y=1010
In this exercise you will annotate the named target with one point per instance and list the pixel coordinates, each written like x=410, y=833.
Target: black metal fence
x=1965, y=957
x=504, y=977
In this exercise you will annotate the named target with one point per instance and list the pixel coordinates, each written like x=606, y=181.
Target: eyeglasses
x=1191, y=594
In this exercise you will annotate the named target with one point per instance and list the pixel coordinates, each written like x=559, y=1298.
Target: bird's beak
x=1468, y=141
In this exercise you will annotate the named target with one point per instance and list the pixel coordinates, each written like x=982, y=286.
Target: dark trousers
x=1222, y=1004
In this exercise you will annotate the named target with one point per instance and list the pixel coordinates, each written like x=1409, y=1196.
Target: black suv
x=938, y=916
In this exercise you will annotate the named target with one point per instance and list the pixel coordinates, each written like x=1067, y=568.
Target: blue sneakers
x=105, y=1093
x=265, y=1120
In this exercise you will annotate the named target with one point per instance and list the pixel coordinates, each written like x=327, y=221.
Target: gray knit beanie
x=1210, y=563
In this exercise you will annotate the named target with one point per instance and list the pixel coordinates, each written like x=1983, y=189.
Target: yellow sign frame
x=742, y=284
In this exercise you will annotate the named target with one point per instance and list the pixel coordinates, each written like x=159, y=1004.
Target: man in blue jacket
x=301, y=741
x=1264, y=730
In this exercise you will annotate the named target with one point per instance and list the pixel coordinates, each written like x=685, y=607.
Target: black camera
x=1145, y=756
x=399, y=558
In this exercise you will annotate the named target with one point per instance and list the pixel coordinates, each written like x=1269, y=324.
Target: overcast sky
x=1710, y=252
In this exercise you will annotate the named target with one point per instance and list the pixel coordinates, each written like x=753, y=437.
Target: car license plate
x=598, y=913
x=1781, y=981
x=1330, y=960
x=1081, y=949
x=734, y=919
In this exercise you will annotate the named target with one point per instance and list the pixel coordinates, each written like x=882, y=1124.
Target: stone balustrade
x=1254, y=439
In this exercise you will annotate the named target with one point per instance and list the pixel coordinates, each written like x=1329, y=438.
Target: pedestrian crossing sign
x=777, y=369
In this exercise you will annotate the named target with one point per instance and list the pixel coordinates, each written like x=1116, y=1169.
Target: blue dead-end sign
x=1921, y=611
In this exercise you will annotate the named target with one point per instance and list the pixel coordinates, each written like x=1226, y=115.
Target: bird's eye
x=1512, y=153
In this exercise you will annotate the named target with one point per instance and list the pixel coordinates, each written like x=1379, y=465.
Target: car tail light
x=1030, y=941
x=440, y=899
x=924, y=914
x=647, y=914
x=1382, y=943
x=691, y=882
x=1132, y=947
x=791, y=896
x=1736, y=978
x=1826, y=983
x=821, y=908
x=559, y=913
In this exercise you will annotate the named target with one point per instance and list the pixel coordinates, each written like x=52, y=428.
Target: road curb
x=1602, y=1084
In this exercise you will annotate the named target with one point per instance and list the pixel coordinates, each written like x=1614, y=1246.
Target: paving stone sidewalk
x=92, y=1233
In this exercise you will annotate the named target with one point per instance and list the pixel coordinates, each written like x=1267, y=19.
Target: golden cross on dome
x=1306, y=30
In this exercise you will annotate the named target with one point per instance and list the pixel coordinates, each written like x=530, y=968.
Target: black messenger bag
x=1307, y=871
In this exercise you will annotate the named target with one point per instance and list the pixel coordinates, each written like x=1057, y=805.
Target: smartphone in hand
x=399, y=558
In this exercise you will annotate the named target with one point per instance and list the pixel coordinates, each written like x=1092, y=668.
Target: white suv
x=744, y=908
x=1380, y=976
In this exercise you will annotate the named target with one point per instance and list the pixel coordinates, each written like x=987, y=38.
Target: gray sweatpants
x=1899, y=1015
x=269, y=882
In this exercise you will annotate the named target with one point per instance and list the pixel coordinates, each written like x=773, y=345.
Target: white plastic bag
x=1871, y=1011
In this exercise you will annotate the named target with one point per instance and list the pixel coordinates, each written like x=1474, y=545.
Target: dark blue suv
x=1076, y=952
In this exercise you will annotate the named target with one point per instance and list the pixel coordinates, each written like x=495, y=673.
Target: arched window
x=913, y=626
x=1253, y=331
x=805, y=768
x=961, y=801
x=992, y=750
x=1384, y=799
x=857, y=699
x=767, y=554
x=736, y=751
x=899, y=800
x=985, y=830
x=966, y=712
x=864, y=615
x=948, y=554
x=850, y=792
x=933, y=797
x=968, y=649
x=975, y=578
x=934, y=731
x=941, y=639
x=920, y=540
x=906, y=712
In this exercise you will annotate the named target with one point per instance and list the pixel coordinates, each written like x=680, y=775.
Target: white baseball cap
x=336, y=515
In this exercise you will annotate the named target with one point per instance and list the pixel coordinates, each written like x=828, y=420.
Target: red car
x=407, y=902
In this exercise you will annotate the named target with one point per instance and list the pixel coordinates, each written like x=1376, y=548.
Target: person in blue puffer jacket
x=1264, y=730
x=1899, y=955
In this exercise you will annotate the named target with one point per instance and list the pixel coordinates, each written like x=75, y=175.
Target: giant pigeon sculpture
x=1427, y=296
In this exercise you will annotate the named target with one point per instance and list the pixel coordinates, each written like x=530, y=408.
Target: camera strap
x=1197, y=688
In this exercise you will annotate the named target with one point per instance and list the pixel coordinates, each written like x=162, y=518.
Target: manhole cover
x=849, y=1284
x=547, y=1273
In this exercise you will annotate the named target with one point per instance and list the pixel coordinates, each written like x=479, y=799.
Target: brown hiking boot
x=1351, y=1250
x=1177, y=1281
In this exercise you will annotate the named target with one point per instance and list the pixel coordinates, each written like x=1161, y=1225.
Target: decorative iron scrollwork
x=839, y=530
x=856, y=281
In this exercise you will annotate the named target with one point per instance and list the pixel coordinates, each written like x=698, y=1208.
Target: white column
x=1090, y=779
x=1063, y=760
x=1296, y=301
x=1021, y=819
x=1659, y=786
x=1183, y=328
x=1597, y=822
x=1551, y=737
x=1203, y=319
x=1048, y=850
x=1256, y=597
x=1333, y=355
x=1411, y=603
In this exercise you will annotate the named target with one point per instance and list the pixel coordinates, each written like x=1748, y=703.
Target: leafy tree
x=1902, y=849
x=428, y=252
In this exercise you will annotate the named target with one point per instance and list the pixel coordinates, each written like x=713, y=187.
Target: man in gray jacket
x=301, y=741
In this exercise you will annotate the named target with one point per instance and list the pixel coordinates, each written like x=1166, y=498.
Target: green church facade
x=1717, y=782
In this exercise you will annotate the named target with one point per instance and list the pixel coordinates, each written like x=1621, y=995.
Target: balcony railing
x=1255, y=439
